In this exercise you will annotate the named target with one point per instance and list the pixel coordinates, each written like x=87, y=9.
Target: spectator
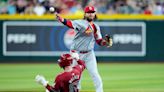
x=30, y=7
x=11, y=8
x=147, y=10
x=157, y=9
x=101, y=7
x=163, y=8
x=111, y=10
x=21, y=6
x=133, y=6
x=77, y=9
x=39, y=9
x=64, y=9
x=3, y=7
x=46, y=5
x=4, y=10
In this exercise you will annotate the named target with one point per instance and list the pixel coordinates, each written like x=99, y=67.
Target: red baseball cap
x=88, y=9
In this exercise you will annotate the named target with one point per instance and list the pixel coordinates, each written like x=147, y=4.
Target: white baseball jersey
x=84, y=39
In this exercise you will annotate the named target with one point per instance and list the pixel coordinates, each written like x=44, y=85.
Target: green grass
x=117, y=77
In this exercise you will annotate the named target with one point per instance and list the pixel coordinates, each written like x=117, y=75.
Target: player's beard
x=89, y=19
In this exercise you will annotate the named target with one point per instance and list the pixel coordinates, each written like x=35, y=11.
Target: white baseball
x=52, y=9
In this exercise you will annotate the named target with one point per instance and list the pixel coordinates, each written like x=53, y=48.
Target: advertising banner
x=48, y=38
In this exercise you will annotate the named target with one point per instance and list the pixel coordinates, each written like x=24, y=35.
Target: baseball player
x=87, y=33
x=66, y=81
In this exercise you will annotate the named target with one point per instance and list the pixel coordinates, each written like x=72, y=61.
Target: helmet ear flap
x=59, y=63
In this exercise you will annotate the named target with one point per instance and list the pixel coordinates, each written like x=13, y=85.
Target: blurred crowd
x=41, y=7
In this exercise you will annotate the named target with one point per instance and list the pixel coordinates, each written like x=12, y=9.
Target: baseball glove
x=109, y=41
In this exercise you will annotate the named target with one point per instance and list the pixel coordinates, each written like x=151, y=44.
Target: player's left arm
x=41, y=80
x=57, y=85
x=81, y=65
x=51, y=89
x=107, y=41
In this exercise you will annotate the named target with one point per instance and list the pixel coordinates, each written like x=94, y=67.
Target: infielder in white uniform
x=87, y=33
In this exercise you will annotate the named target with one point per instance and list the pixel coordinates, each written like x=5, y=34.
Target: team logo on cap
x=90, y=8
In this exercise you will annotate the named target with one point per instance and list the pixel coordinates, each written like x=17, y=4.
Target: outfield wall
x=33, y=38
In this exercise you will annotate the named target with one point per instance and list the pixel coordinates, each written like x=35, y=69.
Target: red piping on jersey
x=100, y=42
x=87, y=28
x=95, y=30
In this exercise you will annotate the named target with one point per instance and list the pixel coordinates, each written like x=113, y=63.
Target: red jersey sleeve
x=56, y=87
x=66, y=22
x=97, y=35
x=58, y=83
x=51, y=89
x=69, y=23
x=80, y=66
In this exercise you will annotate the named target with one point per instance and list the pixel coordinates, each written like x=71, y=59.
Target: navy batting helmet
x=65, y=60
